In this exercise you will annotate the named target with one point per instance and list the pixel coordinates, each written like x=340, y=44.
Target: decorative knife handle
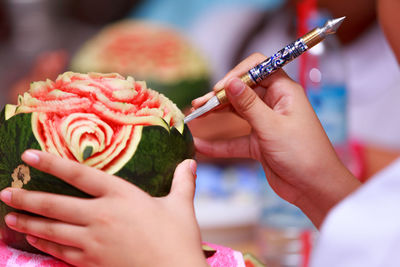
x=277, y=61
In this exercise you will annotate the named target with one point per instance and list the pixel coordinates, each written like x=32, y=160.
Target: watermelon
x=251, y=261
x=104, y=121
x=148, y=51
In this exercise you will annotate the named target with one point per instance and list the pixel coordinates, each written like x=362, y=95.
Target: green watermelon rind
x=181, y=87
x=151, y=168
x=156, y=157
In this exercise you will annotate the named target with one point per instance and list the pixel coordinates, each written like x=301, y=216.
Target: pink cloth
x=10, y=257
x=225, y=257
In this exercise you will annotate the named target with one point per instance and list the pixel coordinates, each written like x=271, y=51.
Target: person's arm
x=287, y=138
x=120, y=226
x=389, y=19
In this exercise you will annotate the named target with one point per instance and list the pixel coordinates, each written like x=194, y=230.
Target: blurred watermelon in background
x=149, y=51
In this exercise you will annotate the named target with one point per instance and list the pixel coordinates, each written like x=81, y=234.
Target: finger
x=90, y=180
x=243, y=67
x=183, y=184
x=198, y=102
x=249, y=106
x=247, y=64
x=51, y=230
x=59, y=207
x=279, y=76
x=240, y=69
x=70, y=255
x=219, y=109
x=232, y=148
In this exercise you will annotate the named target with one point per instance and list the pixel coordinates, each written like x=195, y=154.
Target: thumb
x=247, y=104
x=184, y=182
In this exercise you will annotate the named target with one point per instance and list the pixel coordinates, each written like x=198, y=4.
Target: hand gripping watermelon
x=101, y=120
x=151, y=52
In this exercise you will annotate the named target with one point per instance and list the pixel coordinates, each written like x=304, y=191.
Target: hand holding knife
x=273, y=63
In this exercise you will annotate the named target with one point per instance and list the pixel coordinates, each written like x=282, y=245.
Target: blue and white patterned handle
x=278, y=60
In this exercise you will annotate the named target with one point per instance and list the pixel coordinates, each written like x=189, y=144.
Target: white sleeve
x=364, y=229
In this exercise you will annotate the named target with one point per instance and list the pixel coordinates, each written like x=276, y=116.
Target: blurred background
x=182, y=48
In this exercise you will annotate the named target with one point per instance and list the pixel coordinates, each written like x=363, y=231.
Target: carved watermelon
x=251, y=261
x=151, y=52
x=102, y=120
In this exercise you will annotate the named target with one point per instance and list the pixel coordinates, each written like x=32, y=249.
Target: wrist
x=327, y=190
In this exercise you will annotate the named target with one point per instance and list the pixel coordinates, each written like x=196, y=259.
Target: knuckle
x=18, y=198
x=46, y=207
x=75, y=174
x=22, y=224
x=45, y=164
x=283, y=82
x=280, y=79
x=56, y=251
x=88, y=247
x=103, y=218
x=247, y=103
x=49, y=248
x=49, y=231
x=257, y=55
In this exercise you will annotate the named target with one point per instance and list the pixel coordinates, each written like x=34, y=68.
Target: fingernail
x=30, y=157
x=5, y=196
x=31, y=239
x=193, y=167
x=236, y=87
x=194, y=101
x=220, y=85
x=11, y=219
